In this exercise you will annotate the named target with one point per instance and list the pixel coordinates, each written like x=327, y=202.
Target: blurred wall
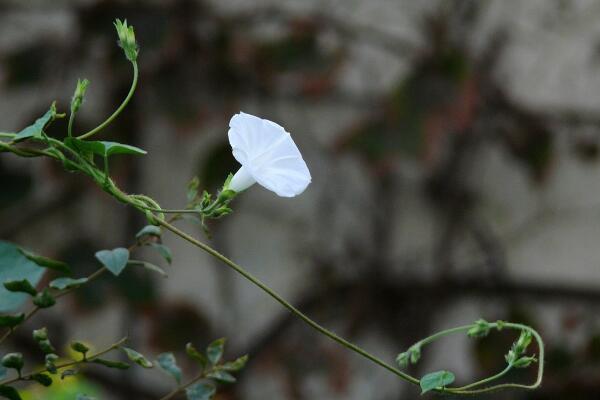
x=454, y=153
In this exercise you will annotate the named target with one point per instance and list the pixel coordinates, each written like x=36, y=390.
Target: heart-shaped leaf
x=435, y=380
x=114, y=260
x=35, y=130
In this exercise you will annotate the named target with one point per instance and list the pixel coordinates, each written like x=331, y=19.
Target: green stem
x=287, y=305
x=486, y=380
x=118, y=110
x=181, y=388
x=70, y=126
x=67, y=364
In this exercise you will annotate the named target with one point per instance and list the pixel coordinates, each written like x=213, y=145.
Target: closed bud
x=127, y=39
x=79, y=95
x=403, y=359
x=40, y=334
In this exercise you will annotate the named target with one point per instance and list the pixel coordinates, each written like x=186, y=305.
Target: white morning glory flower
x=268, y=156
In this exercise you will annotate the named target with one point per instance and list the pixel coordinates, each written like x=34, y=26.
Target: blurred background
x=454, y=148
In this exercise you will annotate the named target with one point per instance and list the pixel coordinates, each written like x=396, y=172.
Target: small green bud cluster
x=412, y=356
x=515, y=356
x=480, y=329
x=127, y=39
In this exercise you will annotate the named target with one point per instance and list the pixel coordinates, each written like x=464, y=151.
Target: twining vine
x=79, y=154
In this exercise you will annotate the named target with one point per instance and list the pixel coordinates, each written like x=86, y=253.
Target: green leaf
x=9, y=393
x=221, y=376
x=149, y=266
x=13, y=361
x=10, y=321
x=234, y=366
x=44, y=299
x=163, y=250
x=42, y=379
x=137, y=358
x=35, y=130
x=436, y=380
x=3, y=372
x=67, y=283
x=168, y=363
x=15, y=266
x=192, y=352
x=214, y=351
x=201, y=391
x=111, y=364
x=114, y=260
x=103, y=149
x=46, y=262
x=20, y=286
x=80, y=348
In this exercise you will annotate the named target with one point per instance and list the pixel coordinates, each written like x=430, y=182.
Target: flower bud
x=79, y=95
x=127, y=39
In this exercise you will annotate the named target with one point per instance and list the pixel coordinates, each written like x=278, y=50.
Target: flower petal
x=269, y=154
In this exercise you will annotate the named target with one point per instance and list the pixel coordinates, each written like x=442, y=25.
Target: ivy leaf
x=137, y=358
x=114, y=260
x=46, y=262
x=10, y=321
x=234, y=366
x=192, y=352
x=42, y=379
x=201, y=391
x=101, y=148
x=15, y=266
x=44, y=299
x=214, y=351
x=35, y=130
x=222, y=376
x=163, y=250
x=67, y=283
x=167, y=362
x=9, y=393
x=20, y=286
x=436, y=380
x=111, y=364
x=149, y=230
